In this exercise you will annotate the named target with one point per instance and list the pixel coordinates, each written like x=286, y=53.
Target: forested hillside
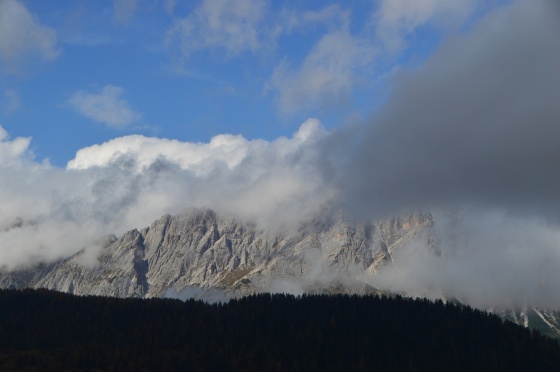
x=45, y=330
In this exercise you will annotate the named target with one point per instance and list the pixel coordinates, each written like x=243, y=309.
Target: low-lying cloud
x=486, y=259
x=47, y=212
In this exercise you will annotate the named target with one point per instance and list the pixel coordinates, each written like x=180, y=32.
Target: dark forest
x=44, y=330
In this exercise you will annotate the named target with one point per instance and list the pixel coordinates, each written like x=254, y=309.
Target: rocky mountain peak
x=199, y=249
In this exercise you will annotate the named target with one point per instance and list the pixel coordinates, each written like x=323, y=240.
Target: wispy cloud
x=292, y=20
x=341, y=59
x=11, y=101
x=394, y=20
x=346, y=56
x=22, y=37
x=125, y=10
x=232, y=26
x=105, y=106
x=328, y=74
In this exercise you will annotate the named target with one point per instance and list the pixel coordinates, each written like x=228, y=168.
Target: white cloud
x=229, y=149
x=486, y=259
x=328, y=74
x=11, y=152
x=106, y=106
x=395, y=19
x=47, y=212
x=231, y=25
x=336, y=62
x=259, y=180
x=11, y=101
x=299, y=20
x=224, y=149
x=342, y=59
x=124, y=9
x=22, y=36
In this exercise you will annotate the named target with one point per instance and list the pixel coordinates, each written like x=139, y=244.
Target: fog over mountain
x=473, y=136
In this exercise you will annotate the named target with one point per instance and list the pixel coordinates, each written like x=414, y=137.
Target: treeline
x=43, y=330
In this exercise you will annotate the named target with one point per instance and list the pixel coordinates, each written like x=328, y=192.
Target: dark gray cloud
x=478, y=124
x=473, y=136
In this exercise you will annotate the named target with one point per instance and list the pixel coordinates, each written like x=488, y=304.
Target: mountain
x=203, y=255
x=547, y=321
x=199, y=251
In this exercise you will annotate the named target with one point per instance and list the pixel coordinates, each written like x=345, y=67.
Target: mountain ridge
x=198, y=248
x=203, y=255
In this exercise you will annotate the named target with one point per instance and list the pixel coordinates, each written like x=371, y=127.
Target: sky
x=78, y=73
x=113, y=113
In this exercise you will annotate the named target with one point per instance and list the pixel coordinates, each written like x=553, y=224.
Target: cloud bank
x=472, y=136
x=478, y=124
x=48, y=212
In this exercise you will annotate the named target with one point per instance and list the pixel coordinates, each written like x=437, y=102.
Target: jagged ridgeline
x=44, y=330
x=203, y=255
x=199, y=249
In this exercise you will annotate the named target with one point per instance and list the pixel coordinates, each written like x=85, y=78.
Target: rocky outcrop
x=199, y=249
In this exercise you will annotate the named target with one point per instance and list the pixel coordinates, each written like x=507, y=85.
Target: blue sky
x=192, y=70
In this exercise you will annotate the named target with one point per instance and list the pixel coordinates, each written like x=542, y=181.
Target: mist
x=483, y=258
x=472, y=136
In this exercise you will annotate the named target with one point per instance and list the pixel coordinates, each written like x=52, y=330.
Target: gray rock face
x=199, y=249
